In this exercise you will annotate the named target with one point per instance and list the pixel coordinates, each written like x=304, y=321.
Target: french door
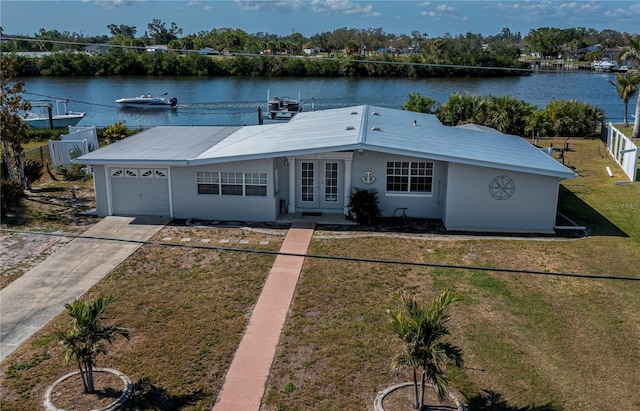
x=319, y=184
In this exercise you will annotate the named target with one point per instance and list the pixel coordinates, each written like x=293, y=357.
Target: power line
x=339, y=258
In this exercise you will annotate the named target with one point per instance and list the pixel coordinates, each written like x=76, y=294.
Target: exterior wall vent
x=351, y=128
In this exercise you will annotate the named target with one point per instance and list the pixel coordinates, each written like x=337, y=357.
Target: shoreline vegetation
x=121, y=62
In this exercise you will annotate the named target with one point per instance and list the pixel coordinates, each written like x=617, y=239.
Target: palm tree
x=633, y=55
x=506, y=114
x=462, y=109
x=537, y=124
x=86, y=337
x=626, y=87
x=422, y=329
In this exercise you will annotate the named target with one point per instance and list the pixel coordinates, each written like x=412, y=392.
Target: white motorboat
x=148, y=101
x=605, y=64
x=51, y=114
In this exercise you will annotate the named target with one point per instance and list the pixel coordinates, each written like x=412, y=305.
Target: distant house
x=472, y=178
x=159, y=48
x=99, y=49
x=207, y=51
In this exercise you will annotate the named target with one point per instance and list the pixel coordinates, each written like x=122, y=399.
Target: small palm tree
x=537, y=124
x=86, y=337
x=422, y=330
x=626, y=87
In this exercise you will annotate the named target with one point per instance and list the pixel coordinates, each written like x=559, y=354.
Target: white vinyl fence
x=62, y=152
x=79, y=141
x=623, y=151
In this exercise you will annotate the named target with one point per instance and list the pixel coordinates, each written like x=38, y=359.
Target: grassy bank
x=531, y=342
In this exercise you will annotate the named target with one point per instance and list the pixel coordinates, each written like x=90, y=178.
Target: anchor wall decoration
x=368, y=177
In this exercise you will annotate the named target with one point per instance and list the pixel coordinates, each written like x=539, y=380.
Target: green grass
x=530, y=342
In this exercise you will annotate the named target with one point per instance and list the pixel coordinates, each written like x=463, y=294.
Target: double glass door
x=319, y=184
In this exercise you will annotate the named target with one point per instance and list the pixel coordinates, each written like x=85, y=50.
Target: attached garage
x=140, y=191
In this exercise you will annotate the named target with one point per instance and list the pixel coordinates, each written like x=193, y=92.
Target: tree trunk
x=7, y=160
x=20, y=164
x=415, y=387
x=83, y=377
x=422, y=386
x=636, y=122
x=626, y=119
x=90, y=386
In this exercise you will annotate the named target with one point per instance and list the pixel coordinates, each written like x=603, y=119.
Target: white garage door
x=140, y=191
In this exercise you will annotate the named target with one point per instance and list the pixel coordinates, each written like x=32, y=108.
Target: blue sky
x=282, y=17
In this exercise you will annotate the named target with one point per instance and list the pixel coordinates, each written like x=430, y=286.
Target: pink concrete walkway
x=247, y=376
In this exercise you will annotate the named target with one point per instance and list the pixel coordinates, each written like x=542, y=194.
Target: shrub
x=10, y=195
x=33, y=170
x=364, y=205
x=73, y=172
x=116, y=132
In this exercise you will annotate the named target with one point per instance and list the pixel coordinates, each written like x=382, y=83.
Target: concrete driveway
x=31, y=301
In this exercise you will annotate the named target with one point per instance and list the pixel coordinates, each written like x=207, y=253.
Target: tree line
x=341, y=52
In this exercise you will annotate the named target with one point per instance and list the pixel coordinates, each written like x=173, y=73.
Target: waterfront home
x=473, y=178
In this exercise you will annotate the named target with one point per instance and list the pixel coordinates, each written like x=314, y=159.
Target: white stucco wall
x=418, y=205
x=470, y=206
x=187, y=203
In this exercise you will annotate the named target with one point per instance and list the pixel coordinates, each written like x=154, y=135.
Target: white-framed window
x=208, y=182
x=139, y=172
x=255, y=184
x=232, y=184
x=409, y=176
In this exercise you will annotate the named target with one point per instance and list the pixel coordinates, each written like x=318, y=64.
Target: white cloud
x=343, y=7
x=111, y=4
x=431, y=14
x=261, y=5
x=445, y=8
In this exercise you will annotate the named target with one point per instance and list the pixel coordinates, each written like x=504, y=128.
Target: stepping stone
x=244, y=241
x=224, y=241
x=167, y=238
x=264, y=242
x=186, y=239
x=205, y=240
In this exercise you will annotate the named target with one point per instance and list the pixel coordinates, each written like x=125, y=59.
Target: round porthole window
x=502, y=187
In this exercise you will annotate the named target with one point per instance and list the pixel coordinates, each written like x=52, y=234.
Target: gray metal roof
x=360, y=127
x=165, y=144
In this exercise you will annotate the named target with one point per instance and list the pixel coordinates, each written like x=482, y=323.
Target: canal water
x=236, y=100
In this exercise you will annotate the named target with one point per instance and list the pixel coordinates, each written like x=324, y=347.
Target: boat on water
x=283, y=107
x=148, y=101
x=606, y=64
x=51, y=114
